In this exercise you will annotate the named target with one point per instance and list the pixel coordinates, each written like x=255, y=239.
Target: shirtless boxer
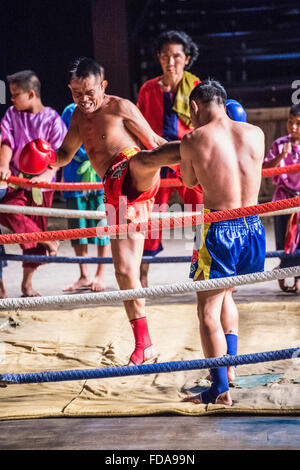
x=112, y=131
x=225, y=158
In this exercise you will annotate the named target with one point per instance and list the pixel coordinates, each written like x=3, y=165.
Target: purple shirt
x=20, y=127
x=288, y=184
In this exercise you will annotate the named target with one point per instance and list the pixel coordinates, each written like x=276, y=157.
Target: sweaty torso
x=104, y=134
x=228, y=164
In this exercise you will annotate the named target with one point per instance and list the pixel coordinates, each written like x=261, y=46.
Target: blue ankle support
x=219, y=385
x=232, y=344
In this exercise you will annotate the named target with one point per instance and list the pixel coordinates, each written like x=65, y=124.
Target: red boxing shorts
x=124, y=203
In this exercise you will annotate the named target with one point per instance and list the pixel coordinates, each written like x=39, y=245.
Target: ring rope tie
x=163, y=367
x=165, y=183
x=149, y=292
x=153, y=225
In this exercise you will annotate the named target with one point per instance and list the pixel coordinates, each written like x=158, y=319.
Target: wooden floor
x=153, y=433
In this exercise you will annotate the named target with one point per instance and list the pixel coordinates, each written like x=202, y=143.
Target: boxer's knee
x=126, y=277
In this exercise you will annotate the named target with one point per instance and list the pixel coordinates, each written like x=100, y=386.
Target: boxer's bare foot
x=3, y=294
x=193, y=399
x=223, y=399
x=26, y=286
x=28, y=291
x=295, y=289
x=81, y=283
x=285, y=288
x=97, y=284
x=297, y=286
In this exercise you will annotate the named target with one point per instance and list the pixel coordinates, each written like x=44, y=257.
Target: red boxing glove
x=36, y=156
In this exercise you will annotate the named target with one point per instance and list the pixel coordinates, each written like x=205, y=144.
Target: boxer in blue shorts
x=225, y=157
x=228, y=248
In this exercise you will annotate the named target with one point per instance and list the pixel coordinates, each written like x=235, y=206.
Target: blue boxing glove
x=235, y=111
x=2, y=192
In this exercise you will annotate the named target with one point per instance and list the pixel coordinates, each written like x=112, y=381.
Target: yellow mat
x=102, y=337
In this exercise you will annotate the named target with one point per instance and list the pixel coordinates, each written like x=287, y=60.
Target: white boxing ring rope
x=150, y=292
x=98, y=215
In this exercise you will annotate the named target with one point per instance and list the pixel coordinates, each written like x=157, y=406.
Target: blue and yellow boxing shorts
x=228, y=248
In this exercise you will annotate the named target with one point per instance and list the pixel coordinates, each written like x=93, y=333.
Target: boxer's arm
x=70, y=145
x=186, y=167
x=165, y=155
x=5, y=157
x=135, y=122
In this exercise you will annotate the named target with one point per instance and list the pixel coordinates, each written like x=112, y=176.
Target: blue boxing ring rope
x=163, y=367
x=146, y=259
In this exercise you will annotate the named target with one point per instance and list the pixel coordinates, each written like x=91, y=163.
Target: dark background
x=251, y=46
x=45, y=36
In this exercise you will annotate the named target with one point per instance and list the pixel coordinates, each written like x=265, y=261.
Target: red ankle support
x=142, y=339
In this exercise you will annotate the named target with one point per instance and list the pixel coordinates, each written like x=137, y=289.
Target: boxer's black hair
x=83, y=67
x=209, y=91
x=295, y=110
x=178, y=37
x=27, y=80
